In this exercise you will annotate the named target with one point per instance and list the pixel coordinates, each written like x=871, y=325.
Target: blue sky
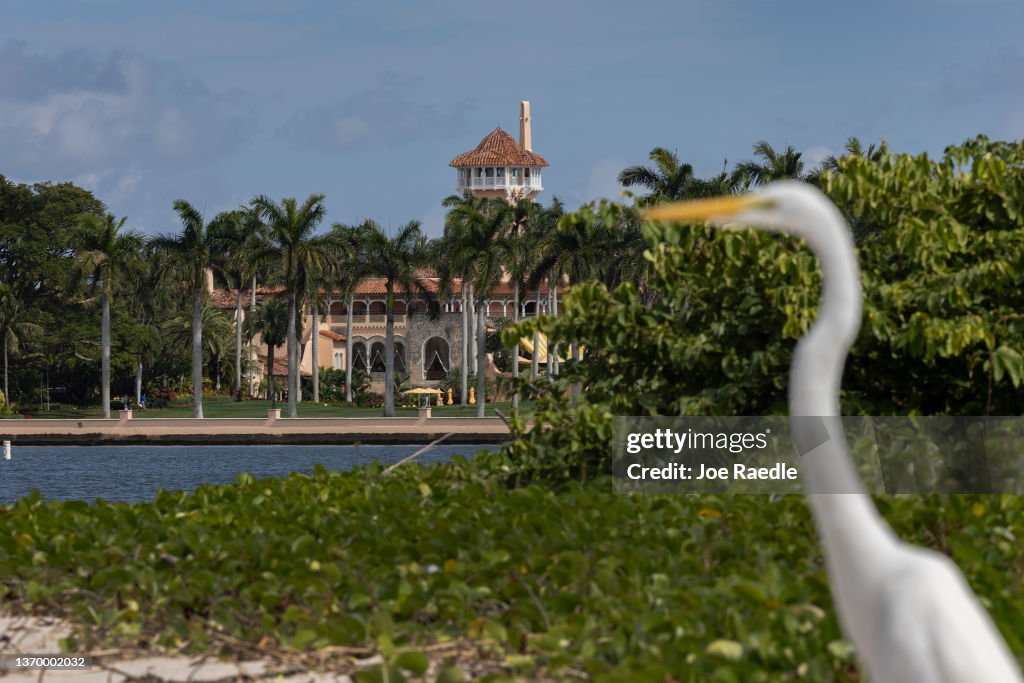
x=368, y=101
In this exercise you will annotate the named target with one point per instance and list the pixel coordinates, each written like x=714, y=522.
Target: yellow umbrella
x=422, y=391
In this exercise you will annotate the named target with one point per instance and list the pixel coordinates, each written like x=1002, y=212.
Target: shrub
x=942, y=334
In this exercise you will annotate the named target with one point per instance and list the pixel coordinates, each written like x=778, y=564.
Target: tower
x=501, y=168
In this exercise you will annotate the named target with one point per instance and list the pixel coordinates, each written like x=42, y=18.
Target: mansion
x=426, y=348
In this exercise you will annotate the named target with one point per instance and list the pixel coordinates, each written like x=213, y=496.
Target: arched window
x=377, y=357
x=436, y=358
x=359, y=358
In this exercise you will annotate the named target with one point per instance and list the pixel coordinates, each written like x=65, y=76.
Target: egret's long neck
x=853, y=533
x=819, y=357
x=818, y=363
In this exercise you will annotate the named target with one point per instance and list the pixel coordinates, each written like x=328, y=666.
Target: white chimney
x=524, y=126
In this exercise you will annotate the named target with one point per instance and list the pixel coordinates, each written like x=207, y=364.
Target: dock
x=272, y=430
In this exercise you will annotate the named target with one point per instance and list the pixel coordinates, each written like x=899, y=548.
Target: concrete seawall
x=253, y=431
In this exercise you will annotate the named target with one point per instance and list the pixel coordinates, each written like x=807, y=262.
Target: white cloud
x=109, y=120
x=381, y=115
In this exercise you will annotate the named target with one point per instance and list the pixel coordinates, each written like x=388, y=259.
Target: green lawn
x=222, y=406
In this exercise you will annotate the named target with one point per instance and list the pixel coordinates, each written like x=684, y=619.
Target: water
x=135, y=473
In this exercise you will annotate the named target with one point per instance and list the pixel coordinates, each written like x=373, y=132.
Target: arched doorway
x=377, y=357
x=359, y=356
x=437, y=359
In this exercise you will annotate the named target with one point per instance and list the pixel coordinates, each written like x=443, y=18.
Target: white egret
x=908, y=610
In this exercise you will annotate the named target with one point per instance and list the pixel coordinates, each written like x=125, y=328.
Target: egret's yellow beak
x=703, y=209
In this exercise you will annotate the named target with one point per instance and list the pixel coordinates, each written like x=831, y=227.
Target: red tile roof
x=225, y=298
x=331, y=334
x=498, y=149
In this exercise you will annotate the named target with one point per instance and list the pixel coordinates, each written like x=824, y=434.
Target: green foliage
x=618, y=587
x=332, y=386
x=360, y=386
x=942, y=330
x=453, y=381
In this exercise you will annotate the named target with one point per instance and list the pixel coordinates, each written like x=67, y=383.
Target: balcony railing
x=500, y=183
x=364, y=320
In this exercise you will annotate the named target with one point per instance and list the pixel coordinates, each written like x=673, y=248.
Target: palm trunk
x=138, y=382
x=197, y=353
x=252, y=349
x=293, y=344
x=389, y=356
x=535, y=361
x=316, y=355
x=215, y=366
x=515, y=349
x=348, y=349
x=472, y=330
x=7, y=391
x=466, y=348
x=271, y=394
x=105, y=354
x=552, y=346
x=238, y=346
x=481, y=358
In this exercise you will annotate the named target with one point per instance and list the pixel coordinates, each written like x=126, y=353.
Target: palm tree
x=237, y=234
x=519, y=254
x=861, y=228
x=14, y=328
x=398, y=261
x=302, y=258
x=668, y=179
x=316, y=296
x=270, y=321
x=550, y=269
x=460, y=250
x=217, y=335
x=854, y=148
x=724, y=183
x=771, y=165
x=259, y=234
x=107, y=256
x=474, y=229
x=192, y=249
x=347, y=277
x=149, y=301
